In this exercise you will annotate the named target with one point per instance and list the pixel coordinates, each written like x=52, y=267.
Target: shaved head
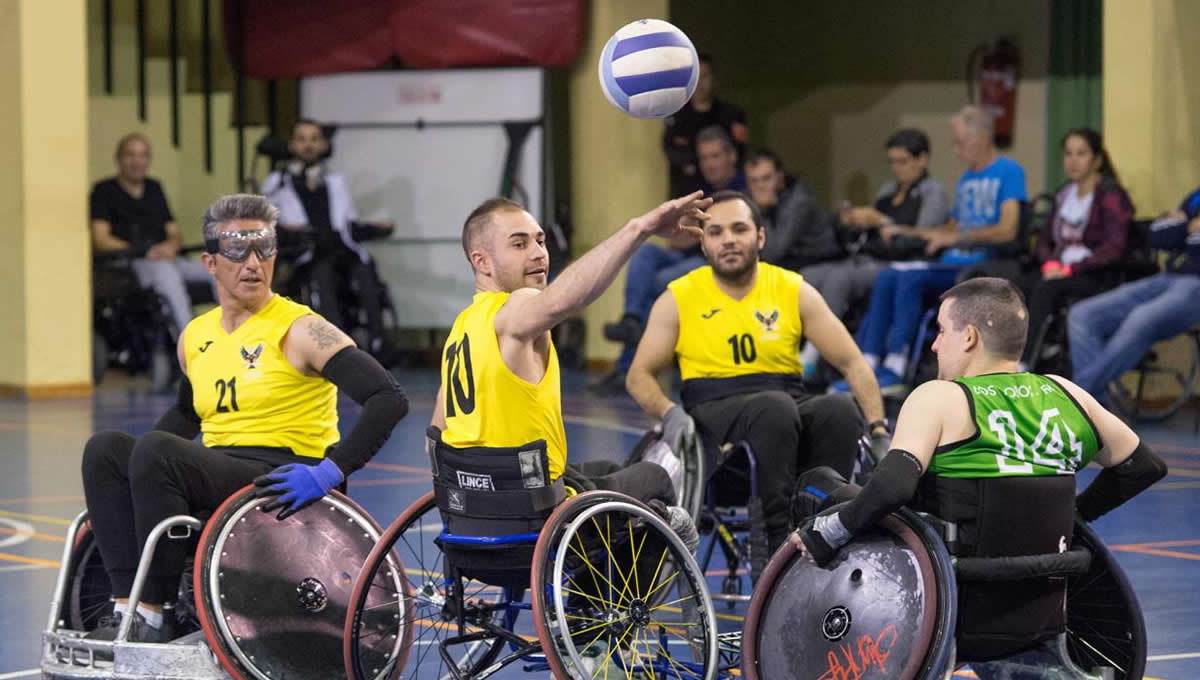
x=479, y=223
x=996, y=308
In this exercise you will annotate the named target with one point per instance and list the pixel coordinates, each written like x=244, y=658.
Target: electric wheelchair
x=261, y=598
x=610, y=587
x=918, y=596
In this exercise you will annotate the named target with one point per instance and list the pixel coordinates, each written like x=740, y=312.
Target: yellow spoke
x=668, y=604
x=666, y=582
x=680, y=670
x=583, y=594
x=611, y=562
x=594, y=570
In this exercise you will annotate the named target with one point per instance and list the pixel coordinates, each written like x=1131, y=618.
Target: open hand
x=937, y=240
x=685, y=214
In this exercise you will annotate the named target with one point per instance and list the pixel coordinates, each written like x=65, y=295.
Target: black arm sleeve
x=1117, y=484
x=892, y=485
x=383, y=405
x=181, y=419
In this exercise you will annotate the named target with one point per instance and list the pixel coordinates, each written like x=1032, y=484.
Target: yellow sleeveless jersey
x=720, y=337
x=245, y=391
x=485, y=404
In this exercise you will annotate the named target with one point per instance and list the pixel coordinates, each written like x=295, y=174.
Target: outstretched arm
x=528, y=316
x=894, y=482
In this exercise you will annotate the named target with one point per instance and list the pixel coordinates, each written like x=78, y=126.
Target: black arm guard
x=181, y=419
x=892, y=485
x=383, y=405
x=1117, y=484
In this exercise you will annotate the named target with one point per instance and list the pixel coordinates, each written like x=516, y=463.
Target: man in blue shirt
x=987, y=208
x=1111, y=332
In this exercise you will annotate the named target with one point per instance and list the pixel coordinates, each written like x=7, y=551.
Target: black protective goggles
x=236, y=245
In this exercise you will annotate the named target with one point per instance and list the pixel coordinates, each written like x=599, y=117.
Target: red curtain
x=294, y=38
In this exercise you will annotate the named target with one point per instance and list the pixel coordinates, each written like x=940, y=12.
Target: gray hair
x=238, y=207
x=976, y=118
x=715, y=133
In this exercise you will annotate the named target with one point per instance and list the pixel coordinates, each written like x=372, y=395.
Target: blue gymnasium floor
x=1157, y=536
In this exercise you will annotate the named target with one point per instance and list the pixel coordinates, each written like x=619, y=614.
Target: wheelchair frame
x=546, y=600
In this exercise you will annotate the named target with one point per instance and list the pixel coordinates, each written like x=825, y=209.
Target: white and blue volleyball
x=649, y=69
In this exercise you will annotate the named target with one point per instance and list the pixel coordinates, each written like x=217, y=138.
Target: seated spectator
x=704, y=109
x=652, y=267
x=986, y=212
x=129, y=212
x=312, y=199
x=1088, y=233
x=1111, y=332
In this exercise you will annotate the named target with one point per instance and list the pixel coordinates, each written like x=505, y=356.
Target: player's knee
x=774, y=407
x=840, y=411
x=101, y=452
x=151, y=456
x=818, y=489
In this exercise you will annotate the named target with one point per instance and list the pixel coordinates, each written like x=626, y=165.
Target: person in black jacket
x=1111, y=332
x=704, y=109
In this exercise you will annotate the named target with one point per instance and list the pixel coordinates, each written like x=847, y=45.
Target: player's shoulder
x=1079, y=394
x=933, y=392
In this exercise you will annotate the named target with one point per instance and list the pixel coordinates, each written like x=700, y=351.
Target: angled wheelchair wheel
x=272, y=596
x=884, y=608
x=1105, y=627
x=400, y=598
x=89, y=593
x=598, y=569
x=1165, y=386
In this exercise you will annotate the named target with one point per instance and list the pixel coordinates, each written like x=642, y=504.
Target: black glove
x=815, y=545
x=881, y=443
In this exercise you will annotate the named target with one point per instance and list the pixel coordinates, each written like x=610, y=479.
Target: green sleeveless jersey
x=1025, y=425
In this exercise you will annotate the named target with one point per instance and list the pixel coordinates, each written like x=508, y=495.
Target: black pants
x=788, y=435
x=332, y=272
x=1045, y=297
x=133, y=484
x=642, y=481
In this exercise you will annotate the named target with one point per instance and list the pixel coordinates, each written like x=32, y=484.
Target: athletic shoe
x=627, y=331
x=141, y=632
x=611, y=385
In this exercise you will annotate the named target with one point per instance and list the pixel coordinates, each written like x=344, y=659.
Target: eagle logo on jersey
x=769, y=322
x=252, y=356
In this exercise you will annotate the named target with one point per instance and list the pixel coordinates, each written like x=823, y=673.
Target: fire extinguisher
x=995, y=67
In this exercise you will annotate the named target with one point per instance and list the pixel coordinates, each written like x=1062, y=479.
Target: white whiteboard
x=423, y=148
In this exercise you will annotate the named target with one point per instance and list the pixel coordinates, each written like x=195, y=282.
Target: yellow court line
x=36, y=518
x=27, y=560
x=40, y=499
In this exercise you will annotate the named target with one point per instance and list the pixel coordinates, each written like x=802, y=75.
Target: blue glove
x=297, y=486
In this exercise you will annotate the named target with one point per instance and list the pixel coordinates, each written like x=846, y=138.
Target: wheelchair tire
x=571, y=540
x=272, y=596
x=89, y=595
x=1105, y=626
x=420, y=592
x=840, y=635
x=1183, y=387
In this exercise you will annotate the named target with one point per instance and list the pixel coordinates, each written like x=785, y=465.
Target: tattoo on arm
x=323, y=333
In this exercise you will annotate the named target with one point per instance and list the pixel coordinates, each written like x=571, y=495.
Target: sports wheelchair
x=610, y=586
x=260, y=599
x=725, y=502
x=893, y=604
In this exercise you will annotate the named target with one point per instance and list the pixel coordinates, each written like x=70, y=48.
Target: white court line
x=604, y=425
x=23, y=567
x=1158, y=657
x=21, y=674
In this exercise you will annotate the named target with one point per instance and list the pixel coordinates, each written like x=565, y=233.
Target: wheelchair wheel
x=272, y=596
x=597, y=570
x=885, y=607
x=404, y=577
x=1165, y=387
x=89, y=597
x=1104, y=622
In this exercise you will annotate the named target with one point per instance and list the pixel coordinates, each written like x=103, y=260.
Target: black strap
x=1023, y=567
